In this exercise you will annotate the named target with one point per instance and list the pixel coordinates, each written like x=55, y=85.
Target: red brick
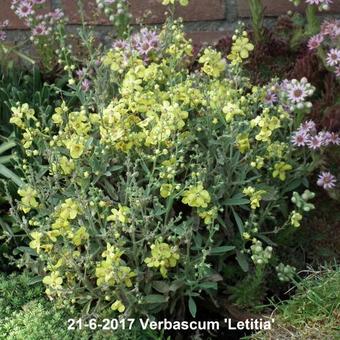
x=278, y=7
x=197, y=10
x=150, y=11
x=206, y=37
x=14, y=22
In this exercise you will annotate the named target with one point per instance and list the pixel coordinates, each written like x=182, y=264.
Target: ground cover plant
x=156, y=180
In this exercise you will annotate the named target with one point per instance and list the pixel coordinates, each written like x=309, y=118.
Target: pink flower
x=314, y=142
x=3, y=35
x=334, y=138
x=297, y=93
x=319, y=2
x=24, y=9
x=315, y=42
x=337, y=71
x=307, y=126
x=331, y=28
x=326, y=180
x=300, y=138
x=40, y=30
x=85, y=85
x=333, y=57
x=270, y=98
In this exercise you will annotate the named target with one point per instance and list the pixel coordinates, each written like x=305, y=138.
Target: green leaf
x=161, y=287
x=192, y=307
x=238, y=221
x=221, y=250
x=236, y=200
x=208, y=285
x=4, y=171
x=6, y=146
x=155, y=298
x=242, y=261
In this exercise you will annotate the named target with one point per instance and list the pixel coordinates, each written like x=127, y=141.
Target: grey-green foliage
x=25, y=314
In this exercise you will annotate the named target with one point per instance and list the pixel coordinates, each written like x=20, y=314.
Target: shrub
x=164, y=181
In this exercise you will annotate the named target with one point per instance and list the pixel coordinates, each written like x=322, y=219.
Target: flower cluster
x=163, y=257
x=259, y=255
x=285, y=273
x=328, y=40
x=144, y=43
x=172, y=2
x=117, y=11
x=3, y=34
x=241, y=48
x=158, y=159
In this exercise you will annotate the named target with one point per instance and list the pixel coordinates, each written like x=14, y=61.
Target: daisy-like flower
x=333, y=57
x=40, y=30
x=315, y=42
x=24, y=9
x=331, y=28
x=326, y=180
x=337, y=71
x=334, y=138
x=308, y=126
x=120, y=44
x=300, y=138
x=271, y=98
x=315, y=142
x=297, y=93
x=325, y=137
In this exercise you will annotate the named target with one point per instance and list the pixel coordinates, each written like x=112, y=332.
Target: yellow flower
x=120, y=215
x=166, y=190
x=208, y=216
x=28, y=198
x=296, y=219
x=280, y=170
x=67, y=165
x=240, y=49
x=254, y=196
x=242, y=142
x=69, y=209
x=213, y=63
x=118, y=305
x=163, y=257
x=196, y=196
x=80, y=236
x=53, y=280
x=76, y=150
x=35, y=243
x=182, y=2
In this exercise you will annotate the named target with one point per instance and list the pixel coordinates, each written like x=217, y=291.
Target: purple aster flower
x=315, y=142
x=120, y=44
x=24, y=9
x=331, y=28
x=315, y=42
x=297, y=93
x=337, y=71
x=319, y=2
x=326, y=180
x=40, y=30
x=333, y=57
x=307, y=126
x=3, y=35
x=325, y=137
x=271, y=98
x=334, y=138
x=300, y=138
x=81, y=73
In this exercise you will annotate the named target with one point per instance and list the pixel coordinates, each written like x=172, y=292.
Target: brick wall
x=207, y=20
